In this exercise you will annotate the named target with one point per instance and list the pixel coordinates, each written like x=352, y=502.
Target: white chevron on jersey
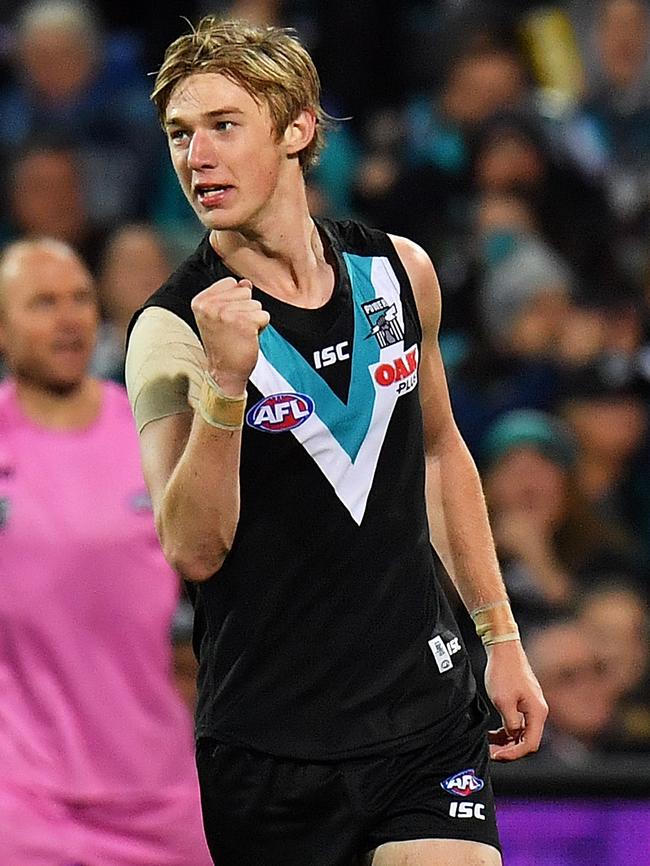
x=351, y=480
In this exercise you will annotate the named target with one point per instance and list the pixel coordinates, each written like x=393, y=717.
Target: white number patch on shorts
x=440, y=654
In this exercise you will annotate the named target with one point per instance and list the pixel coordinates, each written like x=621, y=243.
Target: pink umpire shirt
x=89, y=716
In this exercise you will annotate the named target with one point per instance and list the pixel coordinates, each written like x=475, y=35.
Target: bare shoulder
x=424, y=280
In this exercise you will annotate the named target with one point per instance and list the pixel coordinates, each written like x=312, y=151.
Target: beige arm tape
x=495, y=623
x=164, y=367
x=218, y=409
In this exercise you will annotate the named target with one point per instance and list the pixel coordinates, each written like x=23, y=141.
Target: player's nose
x=202, y=152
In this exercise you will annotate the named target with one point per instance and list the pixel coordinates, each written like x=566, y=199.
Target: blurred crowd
x=512, y=141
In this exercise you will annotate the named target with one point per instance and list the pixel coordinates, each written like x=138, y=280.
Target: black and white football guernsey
x=325, y=633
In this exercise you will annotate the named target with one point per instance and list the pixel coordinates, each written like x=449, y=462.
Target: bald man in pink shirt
x=96, y=750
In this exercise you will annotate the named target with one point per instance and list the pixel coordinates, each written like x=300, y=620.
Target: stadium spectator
x=46, y=198
x=512, y=155
x=418, y=183
x=95, y=743
x=67, y=82
x=616, y=616
x=582, y=703
x=604, y=404
x=549, y=542
x=616, y=117
x=525, y=295
x=482, y=80
x=523, y=299
x=134, y=263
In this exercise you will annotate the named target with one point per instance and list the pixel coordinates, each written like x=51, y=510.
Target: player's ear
x=300, y=132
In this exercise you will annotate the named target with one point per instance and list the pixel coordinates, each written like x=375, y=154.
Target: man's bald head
x=19, y=256
x=48, y=313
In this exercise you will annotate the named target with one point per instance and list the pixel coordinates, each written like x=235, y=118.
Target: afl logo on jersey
x=280, y=412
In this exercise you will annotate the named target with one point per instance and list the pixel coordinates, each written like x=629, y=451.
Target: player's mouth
x=212, y=195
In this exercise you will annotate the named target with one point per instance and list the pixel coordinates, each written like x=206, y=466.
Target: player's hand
x=516, y=694
x=229, y=321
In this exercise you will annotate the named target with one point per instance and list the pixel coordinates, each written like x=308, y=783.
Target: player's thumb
x=513, y=721
x=263, y=319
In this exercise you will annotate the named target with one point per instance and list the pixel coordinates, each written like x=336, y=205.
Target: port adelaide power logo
x=383, y=321
x=398, y=371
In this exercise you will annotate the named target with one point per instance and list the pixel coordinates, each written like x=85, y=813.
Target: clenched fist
x=229, y=321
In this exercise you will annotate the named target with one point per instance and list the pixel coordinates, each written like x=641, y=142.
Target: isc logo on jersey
x=463, y=784
x=401, y=373
x=280, y=412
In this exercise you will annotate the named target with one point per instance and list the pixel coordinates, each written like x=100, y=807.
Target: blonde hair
x=268, y=62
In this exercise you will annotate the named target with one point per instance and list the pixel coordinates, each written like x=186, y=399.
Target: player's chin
x=217, y=219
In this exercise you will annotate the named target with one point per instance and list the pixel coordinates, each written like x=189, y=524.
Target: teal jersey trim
x=347, y=422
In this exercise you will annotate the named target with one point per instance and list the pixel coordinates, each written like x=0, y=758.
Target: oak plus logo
x=384, y=323
x=278, y=413
x=400, y=373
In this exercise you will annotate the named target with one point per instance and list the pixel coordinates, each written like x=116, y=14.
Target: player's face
x=226, y=154
x=49, y=320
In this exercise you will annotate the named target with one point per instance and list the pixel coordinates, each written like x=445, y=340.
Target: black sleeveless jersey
x=325, y=632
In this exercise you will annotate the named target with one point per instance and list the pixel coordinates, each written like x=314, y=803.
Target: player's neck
x=60, y=409
x=282, y=254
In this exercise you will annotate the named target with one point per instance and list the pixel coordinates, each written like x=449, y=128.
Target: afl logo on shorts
x=280, y=412
x=463, y=784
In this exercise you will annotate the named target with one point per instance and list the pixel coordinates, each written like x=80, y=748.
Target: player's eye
x=178, y=136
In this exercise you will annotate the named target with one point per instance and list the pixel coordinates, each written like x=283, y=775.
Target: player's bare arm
x=191, y=462
x=460, y=530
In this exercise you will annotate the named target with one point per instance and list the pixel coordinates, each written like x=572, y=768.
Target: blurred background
x=512, y=141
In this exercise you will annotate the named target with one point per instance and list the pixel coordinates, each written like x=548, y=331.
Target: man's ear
x=300, y=132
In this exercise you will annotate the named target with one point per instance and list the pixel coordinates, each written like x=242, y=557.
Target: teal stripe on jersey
x=348, y=423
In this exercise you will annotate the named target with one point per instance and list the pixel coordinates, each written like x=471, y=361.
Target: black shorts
x=259, y=810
